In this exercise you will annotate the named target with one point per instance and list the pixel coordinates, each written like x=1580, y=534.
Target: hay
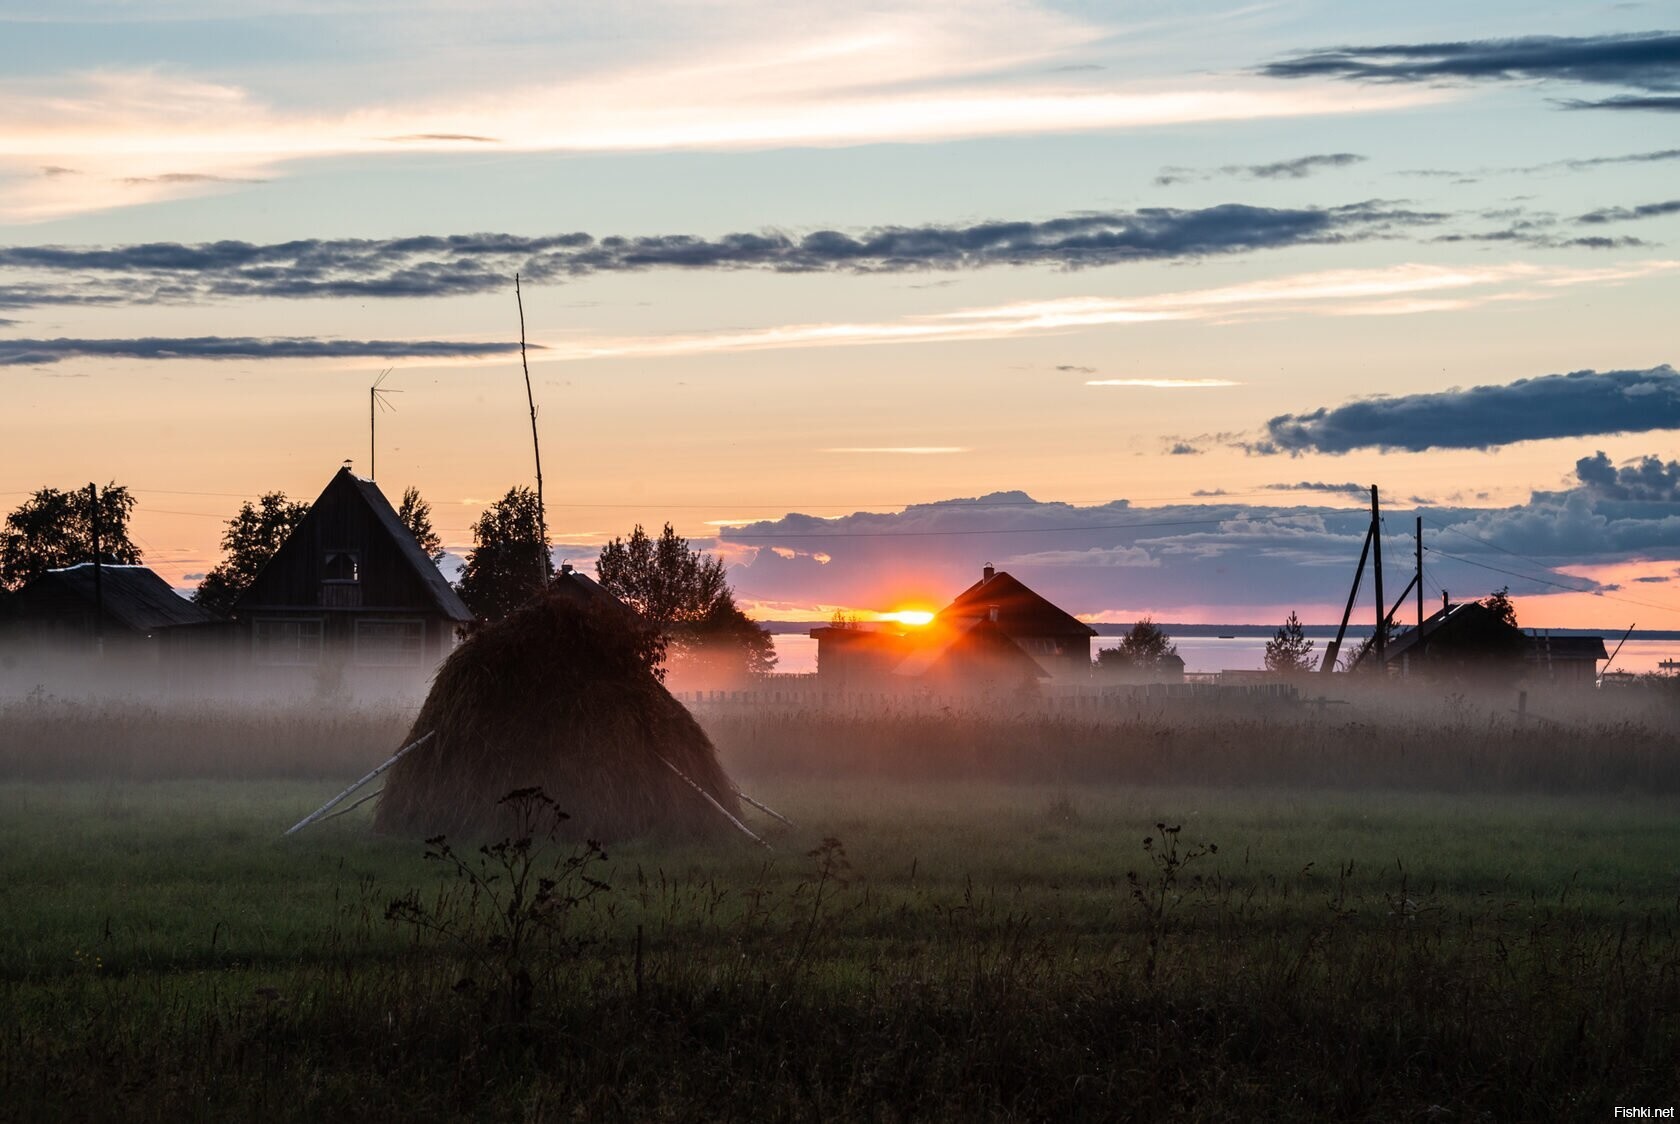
x=559, y=695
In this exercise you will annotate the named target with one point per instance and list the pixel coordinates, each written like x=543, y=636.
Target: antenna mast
x=376, y=401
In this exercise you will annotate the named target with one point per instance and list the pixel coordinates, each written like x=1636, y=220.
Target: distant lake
x=796, y=652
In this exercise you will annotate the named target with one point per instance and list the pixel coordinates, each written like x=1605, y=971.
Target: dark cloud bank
x=1116, y=557
x=1648, y=63
x=1579, y=404
x=39, y=353
x=432, y=266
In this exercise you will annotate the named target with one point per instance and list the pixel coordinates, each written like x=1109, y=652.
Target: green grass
x=165, y=954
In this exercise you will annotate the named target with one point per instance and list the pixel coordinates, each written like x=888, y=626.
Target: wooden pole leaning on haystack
x=712, y=800
x=341, y=797
x=765, y=808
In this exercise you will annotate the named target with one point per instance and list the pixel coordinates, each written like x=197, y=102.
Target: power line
x=1555, y=584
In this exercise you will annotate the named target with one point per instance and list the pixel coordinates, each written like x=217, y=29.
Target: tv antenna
x=376, y=402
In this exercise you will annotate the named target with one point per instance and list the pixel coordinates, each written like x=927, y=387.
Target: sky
x=1134, y=300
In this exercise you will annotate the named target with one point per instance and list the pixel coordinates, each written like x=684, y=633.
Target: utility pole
x=1380, y=640
x=1419, y=576
x=376, y=401
x=98, y=573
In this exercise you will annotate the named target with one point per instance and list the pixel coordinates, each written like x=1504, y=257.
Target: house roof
x=978, y=634
x=355, y=490
x=586, y=590
x=133, y=596
x=1020, y=611
x=443, y=595
x=1454, y=616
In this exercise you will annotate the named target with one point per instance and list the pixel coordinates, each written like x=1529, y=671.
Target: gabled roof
x=585, y=590
x=977, y=635
x=443, y=594
x=133, y=596
x=1020, y=611
x=356, y=491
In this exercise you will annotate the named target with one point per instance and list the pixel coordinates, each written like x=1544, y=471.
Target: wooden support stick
x=765, y=808
x=712, y=800
x=337, y=800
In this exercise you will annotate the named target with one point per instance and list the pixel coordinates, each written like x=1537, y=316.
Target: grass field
x=964, y=951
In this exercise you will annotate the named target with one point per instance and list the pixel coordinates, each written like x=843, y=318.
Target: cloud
x=1349, y=489
x=466, y=138
x=1659, y=103
x=1299, y=168
x=906, y=450
x=1626, y=214
x=1579, y=404
x=184, y=177
x=448, y=265
x=1646, y=480
x=718, y=77
x=1207, y=558
x=1183, y=449
x=1647, y=62
x=1073, y=368
x=1165, y=384
x=1397, y=290
x=41, y=352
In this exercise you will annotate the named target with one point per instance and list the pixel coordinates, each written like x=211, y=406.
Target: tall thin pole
x=1420, y=570
x=373, y=446
x=536, y=449
x=98, y=573
x=1376, y=570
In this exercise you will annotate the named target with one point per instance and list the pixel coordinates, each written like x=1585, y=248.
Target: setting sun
x=916, y=617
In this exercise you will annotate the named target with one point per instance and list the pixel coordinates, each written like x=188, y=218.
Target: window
x=390, y=643
x=286, y=643
x=341, y=566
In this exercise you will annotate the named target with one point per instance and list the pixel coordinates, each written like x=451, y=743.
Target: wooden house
x=1467, y=640
x=130, y=608
x=996, y=633
x=350, y=586
x=1058, y=641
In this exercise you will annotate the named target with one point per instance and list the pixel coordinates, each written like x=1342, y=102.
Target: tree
x=251, y=539
x=509, y=563
x=416, y=515
x=53, y=529
x=684, y=594
x=1499, y=602
x=1289, y=649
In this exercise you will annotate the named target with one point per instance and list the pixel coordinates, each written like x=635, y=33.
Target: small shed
x=350, y=585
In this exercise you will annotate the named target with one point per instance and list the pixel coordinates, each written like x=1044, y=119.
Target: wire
x=1558, y=585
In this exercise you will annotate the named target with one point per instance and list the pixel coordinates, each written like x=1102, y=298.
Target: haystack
x=560, y=695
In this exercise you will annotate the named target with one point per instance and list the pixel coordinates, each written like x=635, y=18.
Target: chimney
x=1444, y=603
x=988, y=573
x=565, y=567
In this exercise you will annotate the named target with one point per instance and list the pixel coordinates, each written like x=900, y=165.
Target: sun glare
x=916, y=617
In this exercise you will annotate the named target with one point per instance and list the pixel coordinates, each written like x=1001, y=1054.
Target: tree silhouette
x=251, y=539
x=509, y=563
x=1145, y=647
x=416, y=515
x=684, y=594
x=1289, y=649
x=54, y=529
